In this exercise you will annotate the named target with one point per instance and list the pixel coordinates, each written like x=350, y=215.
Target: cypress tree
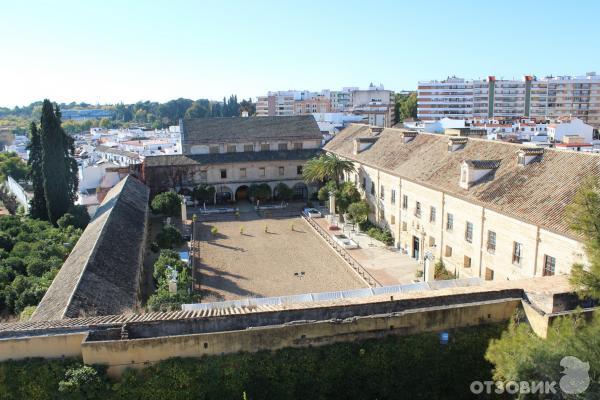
x=37, y=207
x=59, y=169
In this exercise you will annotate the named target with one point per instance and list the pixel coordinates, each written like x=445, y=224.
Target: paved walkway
x=388, y=265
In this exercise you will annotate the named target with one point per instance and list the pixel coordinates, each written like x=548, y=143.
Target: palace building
x=485, y=208
x=233, y=153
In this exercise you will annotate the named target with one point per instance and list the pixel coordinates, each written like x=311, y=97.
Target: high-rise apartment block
x=545, y=98
x=375, y=103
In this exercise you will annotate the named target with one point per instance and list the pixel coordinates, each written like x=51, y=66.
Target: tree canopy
x=59, y=168
x=12, y=165
x=405, y=106
x=326, y=167
x=167, y=203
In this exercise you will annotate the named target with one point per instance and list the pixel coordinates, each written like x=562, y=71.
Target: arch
x=300, y=191
x=223, y=194
x=242, y=193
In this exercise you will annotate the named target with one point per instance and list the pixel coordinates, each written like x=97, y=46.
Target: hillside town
x=159, y=239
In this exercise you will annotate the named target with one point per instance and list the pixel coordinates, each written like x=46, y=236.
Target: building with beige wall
x=233, y=153
x=489, y=209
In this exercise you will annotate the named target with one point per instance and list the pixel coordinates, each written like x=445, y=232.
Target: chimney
x=472, y=171
x=527, y=155
x=408, y=136
x=456, y=143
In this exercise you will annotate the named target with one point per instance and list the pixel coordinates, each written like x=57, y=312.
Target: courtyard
x=254, y=256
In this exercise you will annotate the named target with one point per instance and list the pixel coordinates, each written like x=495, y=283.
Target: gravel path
x=274, y=263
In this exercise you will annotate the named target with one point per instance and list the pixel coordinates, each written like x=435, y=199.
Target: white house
x=570, y=127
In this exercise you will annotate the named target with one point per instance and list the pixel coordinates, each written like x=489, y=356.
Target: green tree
x=84, y=382
x=12, y=165
x=327, y=167
x=284, y=192
x=204, y=193
x=405, y=106
x=59, y=168
x=167, y=203
x=37, y=207
x=584, y=218
x=169, y=237
x=359, y=211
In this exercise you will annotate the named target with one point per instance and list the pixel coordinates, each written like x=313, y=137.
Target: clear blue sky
x=111, y=51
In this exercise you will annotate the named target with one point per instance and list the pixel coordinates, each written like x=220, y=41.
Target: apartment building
x=376, y=104
x=490, y=209
x=549, y=97
x=319, y=104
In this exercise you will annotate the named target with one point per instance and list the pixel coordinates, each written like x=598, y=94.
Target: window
x=299, y=170
x=404, y=202
x=418, y=209
x=381, y=214
x=248, y=147
x=213, y=149
x=404, y=227
x=372, y=188
x=489, y=274
x=265, y=147
x=448, y=251
x=381, y=192
x=491, y=241
x=364, y=183
x=393, y=196
x=261, y=171
x=469, y=232
x=449, y=222
x=298, y=146
x=517, y=253
x=467, y=262
x=282, y=146
x=242, y=172
x=203, y=175
x=432, y=215
x=392, y=219
x=431, y=241
x=223, y=174
x=231, y=148
x=549, y=265
x=281, y=171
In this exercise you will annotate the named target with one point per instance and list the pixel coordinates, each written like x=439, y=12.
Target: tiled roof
x=226, y=158
x=112, y=150
x=101, y=275
x=245, y=129
x=537, y=193
x=484, y=164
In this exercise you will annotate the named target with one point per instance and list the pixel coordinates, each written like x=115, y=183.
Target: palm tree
x=327, y=167
x=335, y=168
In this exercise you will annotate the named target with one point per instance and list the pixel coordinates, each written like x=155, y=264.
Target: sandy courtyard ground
x=259, y=264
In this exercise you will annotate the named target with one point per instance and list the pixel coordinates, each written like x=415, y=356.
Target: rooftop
x=226, y=158
x=245, y=129
x=537, y=193
x=101, y=274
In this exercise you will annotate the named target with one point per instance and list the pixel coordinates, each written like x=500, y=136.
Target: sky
x=126, y=51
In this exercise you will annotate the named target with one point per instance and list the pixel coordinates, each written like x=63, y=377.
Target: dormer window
x=472, y=171
x=456, y=143
x=528, y=155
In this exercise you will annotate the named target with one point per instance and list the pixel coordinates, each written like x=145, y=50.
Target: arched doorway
x=300, y=191
x=241, y=194
x=223, y=195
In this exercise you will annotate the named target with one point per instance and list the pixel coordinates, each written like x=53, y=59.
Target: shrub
x=77, y=217
x=441, y=273
x=202, y=193
x=284, y=192
x=167, y=203
x=383, y=235
x=214, y=231
x=84, y=382
x=169, y=237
